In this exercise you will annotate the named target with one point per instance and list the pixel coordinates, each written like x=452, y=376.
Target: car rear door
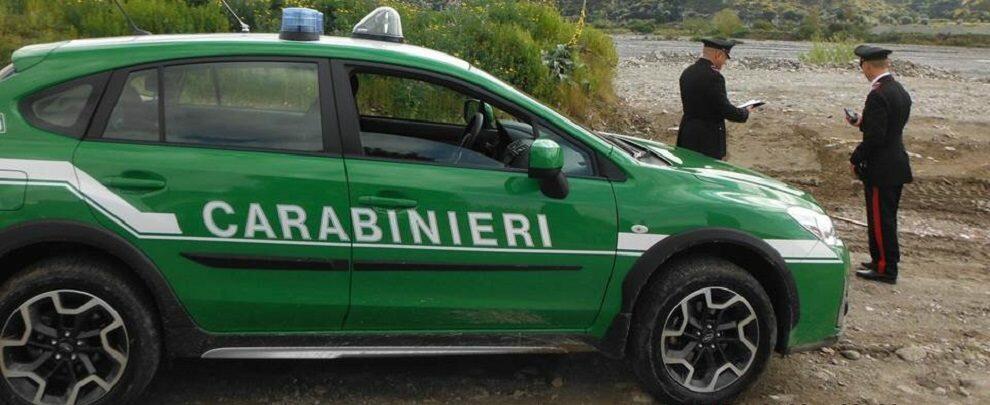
x=227, y=174
x=449, y=238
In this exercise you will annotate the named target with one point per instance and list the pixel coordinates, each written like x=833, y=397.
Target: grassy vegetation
x=831, y=52
x=526, y=43
x=728, y=24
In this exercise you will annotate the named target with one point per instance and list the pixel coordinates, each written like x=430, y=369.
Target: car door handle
x=373, y=201
x=130, y=183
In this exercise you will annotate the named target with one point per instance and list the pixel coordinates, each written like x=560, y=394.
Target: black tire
x=664, y=294
x=79, y=279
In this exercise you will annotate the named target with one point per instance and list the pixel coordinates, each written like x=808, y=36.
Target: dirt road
x=926, y=340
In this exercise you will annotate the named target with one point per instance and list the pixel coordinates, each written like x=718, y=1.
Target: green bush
x=831, y=52
x=698, y=26
x=764, y=25
x=526, y=43
x=641, y=26
x=727, y=23
x=811, y=26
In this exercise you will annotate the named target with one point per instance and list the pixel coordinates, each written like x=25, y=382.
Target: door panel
x=221, y=171
x=450, y=263
x=250, y=211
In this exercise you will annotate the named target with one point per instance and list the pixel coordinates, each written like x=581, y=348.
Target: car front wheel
x=704, y=331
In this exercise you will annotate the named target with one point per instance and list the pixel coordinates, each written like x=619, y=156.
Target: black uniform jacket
x=706, y=107
x=881, y=158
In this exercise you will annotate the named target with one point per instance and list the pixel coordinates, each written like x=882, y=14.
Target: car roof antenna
x=134, y=28
x=244, y=26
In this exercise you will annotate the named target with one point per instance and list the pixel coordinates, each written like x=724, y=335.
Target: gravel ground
x=971, y=63
x=926, y=340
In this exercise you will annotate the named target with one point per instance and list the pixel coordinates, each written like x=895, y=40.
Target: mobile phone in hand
x=852, y=116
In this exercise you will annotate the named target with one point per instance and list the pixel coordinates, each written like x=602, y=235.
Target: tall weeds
x=508, y=38
x=834, y=51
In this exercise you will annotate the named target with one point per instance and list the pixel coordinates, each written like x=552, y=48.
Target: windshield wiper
x=637, y=152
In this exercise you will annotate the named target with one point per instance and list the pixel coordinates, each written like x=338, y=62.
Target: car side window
x=255, y=105
x=577, y=161
x=408, y=99
x=66, y=108
x=270, y=105
x=407, y=118
x=135, y=115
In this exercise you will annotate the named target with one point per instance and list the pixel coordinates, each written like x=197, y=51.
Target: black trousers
x=881, y=219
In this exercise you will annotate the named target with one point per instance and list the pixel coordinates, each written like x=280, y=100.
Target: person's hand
x=852, y=169
x=856, y=123
x=751, y=108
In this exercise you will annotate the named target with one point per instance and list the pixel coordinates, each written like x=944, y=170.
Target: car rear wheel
x=704, y=331
x=74, y=332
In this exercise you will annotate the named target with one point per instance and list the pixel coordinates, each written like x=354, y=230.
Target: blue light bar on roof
x=301, y=24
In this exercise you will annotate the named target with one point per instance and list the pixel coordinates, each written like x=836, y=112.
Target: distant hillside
x=935, y=22
x=867, y=12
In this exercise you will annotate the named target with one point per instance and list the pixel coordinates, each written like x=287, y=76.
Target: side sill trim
x=325, y=353
x=250, y=262
x=417, y=266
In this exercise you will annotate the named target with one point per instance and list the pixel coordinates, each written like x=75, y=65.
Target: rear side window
x=254, y=105
x=66, y=108
x=135, y=116
x=270, y=105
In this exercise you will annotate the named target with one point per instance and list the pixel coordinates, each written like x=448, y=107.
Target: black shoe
x=868, y=265
x=874, y=276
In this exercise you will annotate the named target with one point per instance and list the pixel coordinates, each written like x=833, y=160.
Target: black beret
x=867, y=52
x=720, y=43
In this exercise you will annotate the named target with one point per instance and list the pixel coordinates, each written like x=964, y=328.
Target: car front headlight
x=815, y=222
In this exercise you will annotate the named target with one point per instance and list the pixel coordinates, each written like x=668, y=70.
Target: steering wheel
x=470, y=137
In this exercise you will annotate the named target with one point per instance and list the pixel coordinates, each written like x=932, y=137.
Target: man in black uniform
x=881, y=161
x=706, y=104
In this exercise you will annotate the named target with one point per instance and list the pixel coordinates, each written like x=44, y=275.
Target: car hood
x=713, y=170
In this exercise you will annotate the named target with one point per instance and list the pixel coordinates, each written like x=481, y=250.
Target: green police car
x=243, y=196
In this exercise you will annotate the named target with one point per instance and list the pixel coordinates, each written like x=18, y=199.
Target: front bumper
x=823, y=293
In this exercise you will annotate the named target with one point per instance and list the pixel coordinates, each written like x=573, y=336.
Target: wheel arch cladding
x=749, y=252
x=25, y=243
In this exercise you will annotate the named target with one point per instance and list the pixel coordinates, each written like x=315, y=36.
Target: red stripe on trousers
x=878, y=231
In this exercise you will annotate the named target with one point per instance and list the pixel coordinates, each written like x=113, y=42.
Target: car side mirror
x=472, y=107
x=546, y=163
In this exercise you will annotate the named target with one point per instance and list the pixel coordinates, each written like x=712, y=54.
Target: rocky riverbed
x=967, y=63
x=926, y=340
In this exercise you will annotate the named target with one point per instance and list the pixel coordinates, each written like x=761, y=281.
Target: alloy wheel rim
x=709, y=339
x=63, y=347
